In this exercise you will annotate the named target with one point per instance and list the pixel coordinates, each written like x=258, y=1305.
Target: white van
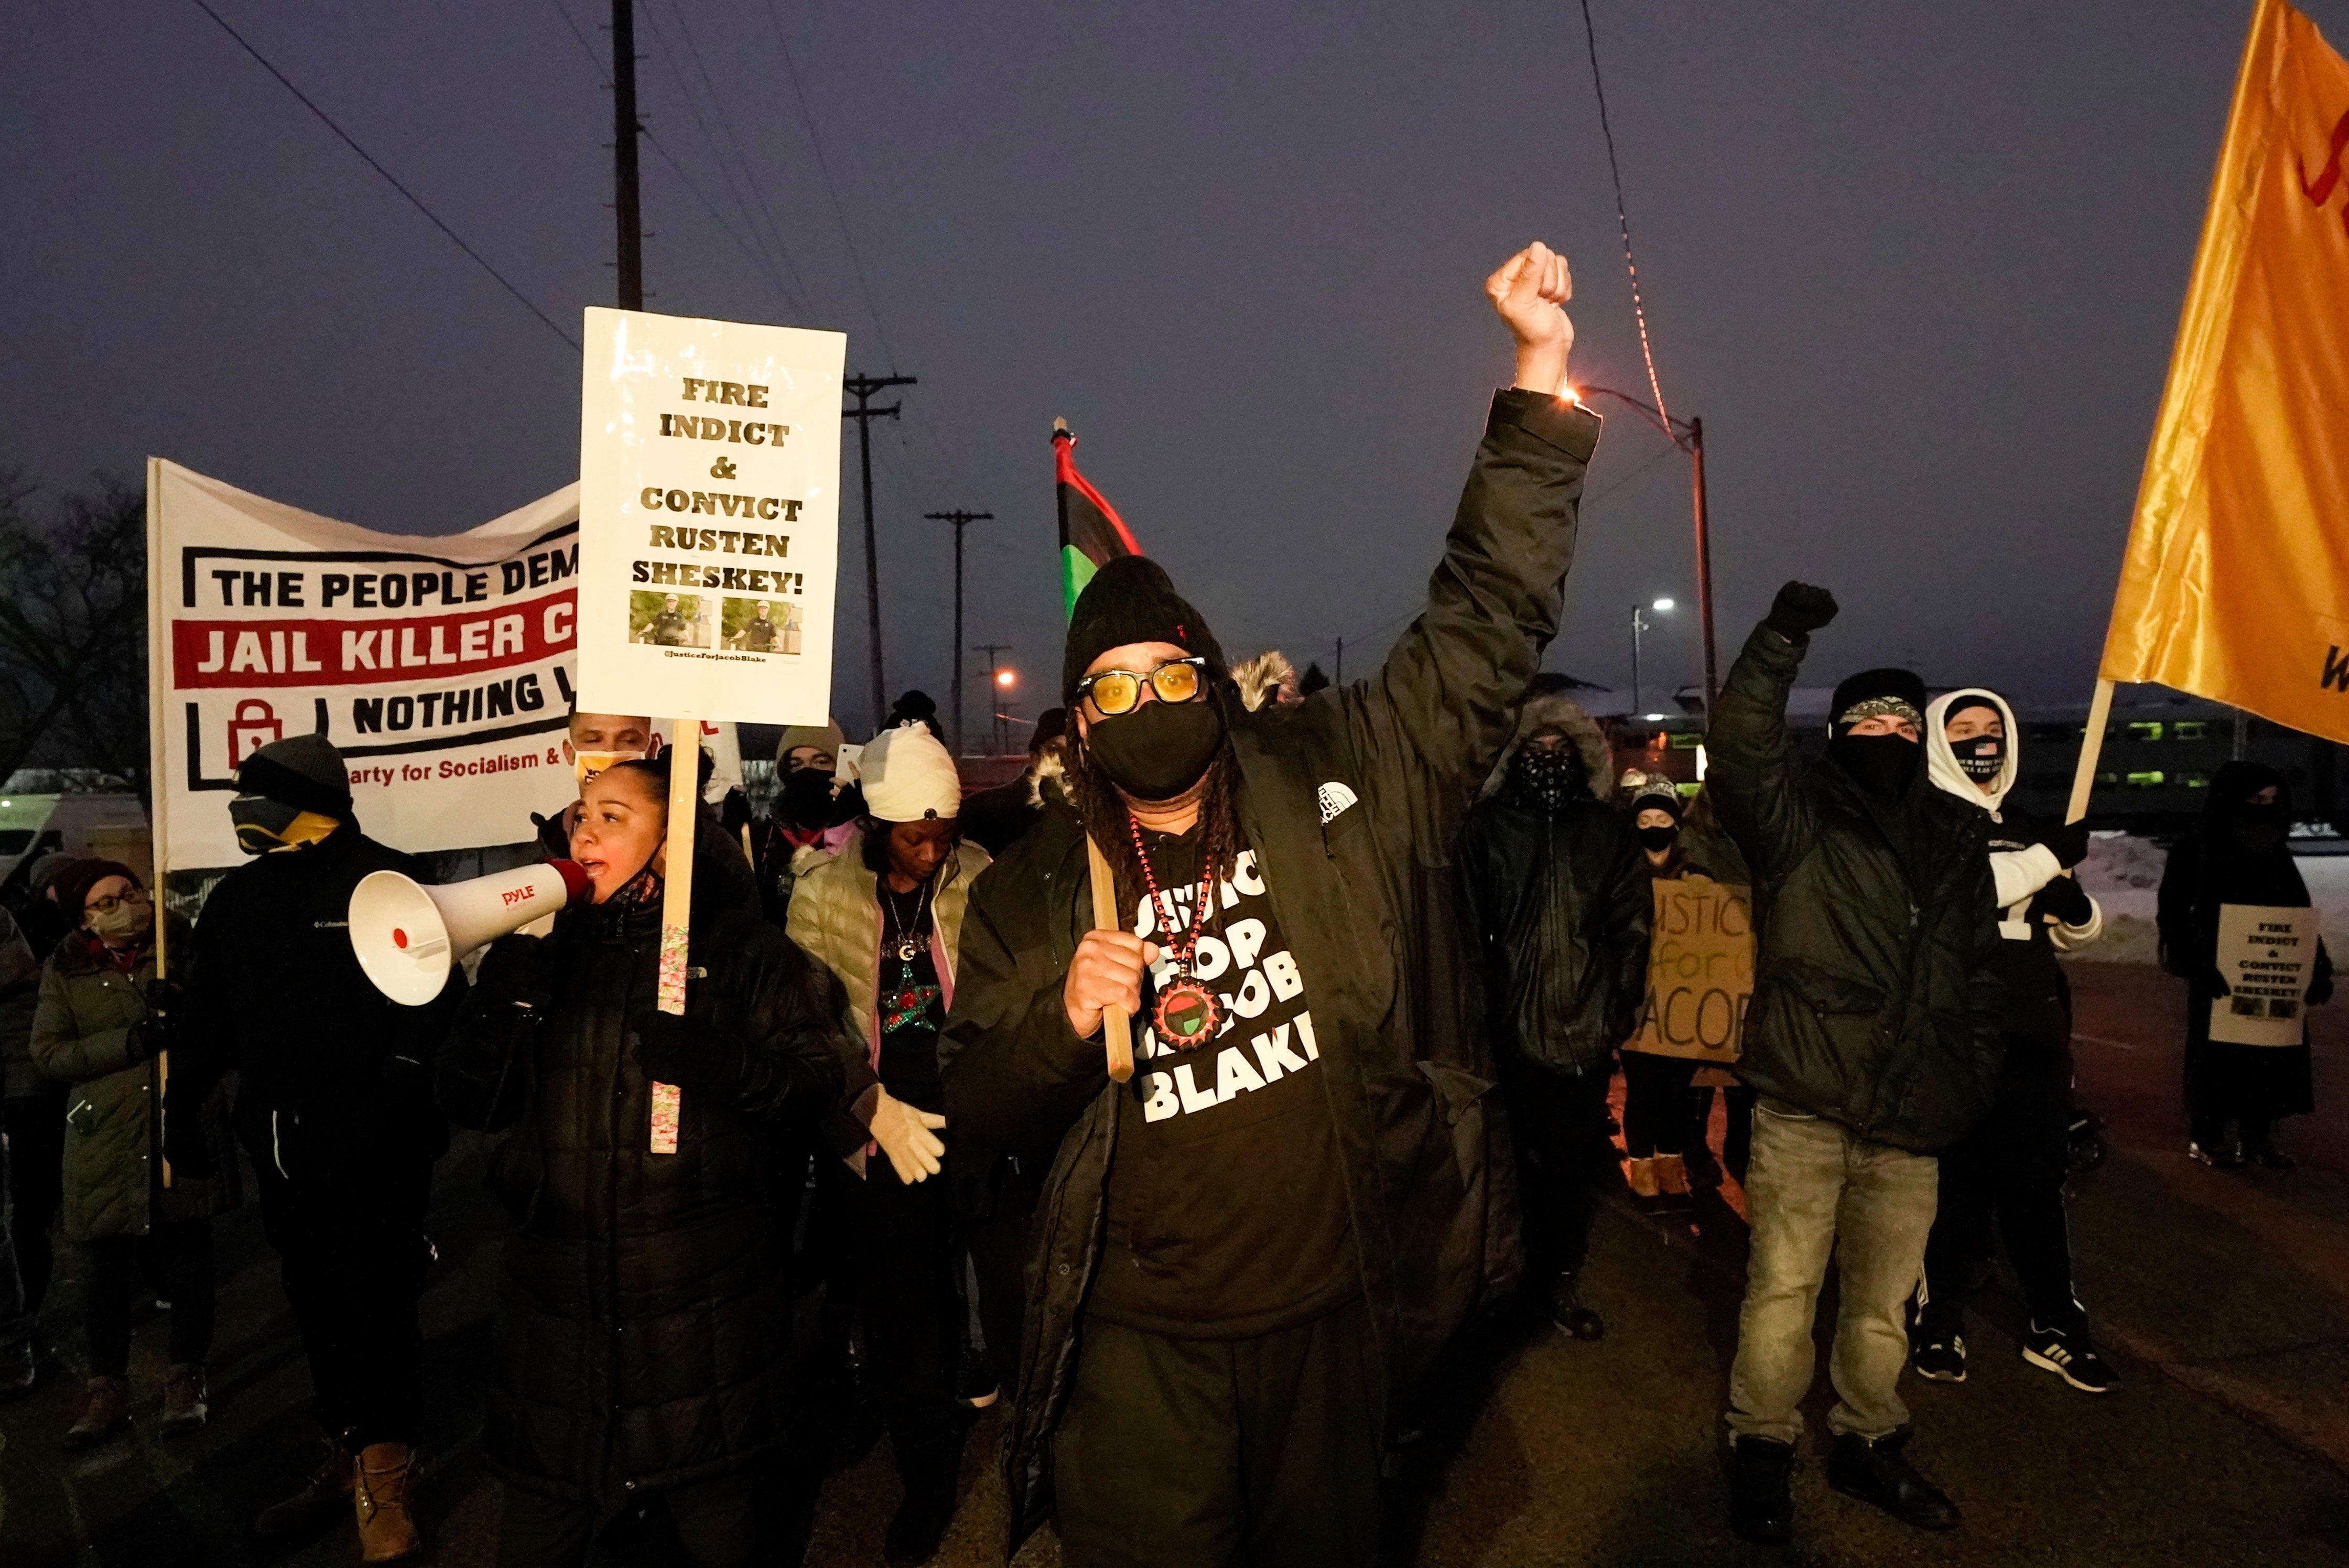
x=111, y=827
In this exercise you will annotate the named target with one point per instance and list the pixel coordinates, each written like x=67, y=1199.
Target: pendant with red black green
x=1187, y=1014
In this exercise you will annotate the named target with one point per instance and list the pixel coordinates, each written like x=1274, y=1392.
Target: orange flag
x=2236, y=583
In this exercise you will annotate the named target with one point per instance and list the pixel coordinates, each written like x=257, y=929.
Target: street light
x=1638, y=624
x=1689, y=436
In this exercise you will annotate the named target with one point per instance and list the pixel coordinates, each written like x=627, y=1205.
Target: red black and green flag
x=1091, y=533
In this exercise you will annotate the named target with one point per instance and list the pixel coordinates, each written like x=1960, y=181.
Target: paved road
x=2225, y=1299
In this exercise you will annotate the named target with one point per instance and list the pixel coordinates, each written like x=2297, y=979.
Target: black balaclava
x=279, y=783
x=1160, y=749
x=2248, y=826
x=1883, y=765
x=1978, y=758
x=806, y=803
x=1546, y=778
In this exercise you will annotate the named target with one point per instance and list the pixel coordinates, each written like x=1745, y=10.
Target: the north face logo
x=1335, y=798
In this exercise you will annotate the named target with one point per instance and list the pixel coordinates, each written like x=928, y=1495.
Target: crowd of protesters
x=1382, y=950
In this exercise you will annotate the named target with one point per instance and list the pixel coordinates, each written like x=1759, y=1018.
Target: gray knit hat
x=303, y=772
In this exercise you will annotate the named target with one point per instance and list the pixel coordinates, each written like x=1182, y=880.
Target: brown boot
x=386, y=1526
x=1643, y=1179
x=1671, y=1174
x=187, y=1398
x=322, y=1498
x=105, y=1413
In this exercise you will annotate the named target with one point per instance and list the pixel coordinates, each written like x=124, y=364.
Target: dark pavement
x=2224, y=1300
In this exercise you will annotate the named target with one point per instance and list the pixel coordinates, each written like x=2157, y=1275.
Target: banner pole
x=2091, y=746
x=676, y=907
x=1117, y=1029
x=158, y=630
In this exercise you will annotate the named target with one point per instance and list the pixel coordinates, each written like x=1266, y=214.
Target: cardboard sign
x=438, y=665
x=1700, y=970
x=2264, y=954
x=708, y=517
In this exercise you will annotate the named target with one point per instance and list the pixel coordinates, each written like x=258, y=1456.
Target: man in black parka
x=1558, y=900
x=1873, y=1041
x=1245, y=1259
x=335, y=1107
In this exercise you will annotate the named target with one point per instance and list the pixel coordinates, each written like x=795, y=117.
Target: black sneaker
x=2219, y=1156
x=1939, y=1358
x=1566, y=1311
x=1761, y=1490
x=2267, y=1157
x=1879, y=1473
x=2071, y=1357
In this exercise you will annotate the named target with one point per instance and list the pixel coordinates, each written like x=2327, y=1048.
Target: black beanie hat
x=1132, y=599
x=303, y=772
x=1900, y=685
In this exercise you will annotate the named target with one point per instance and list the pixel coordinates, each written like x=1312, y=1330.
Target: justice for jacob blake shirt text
x=1227, y=1218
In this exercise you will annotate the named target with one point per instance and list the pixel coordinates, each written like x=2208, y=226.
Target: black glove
x=2319, y=989
x=184, y=1144
x=2216, y=984
x=1800, y=609
x=2070, y=843
x=2064, y=898
x=151, y=1035
x=516, y=975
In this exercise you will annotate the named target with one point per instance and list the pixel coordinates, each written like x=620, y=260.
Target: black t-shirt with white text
x=1228, y=1215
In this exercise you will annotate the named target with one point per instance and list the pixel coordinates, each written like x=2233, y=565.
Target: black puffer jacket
x=1352, y=800
x=333, y=1075
x=642, y=1312
x=1558, y=905
x=1876, y=1002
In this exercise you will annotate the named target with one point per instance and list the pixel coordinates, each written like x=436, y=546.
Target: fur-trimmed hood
x=1551, y=711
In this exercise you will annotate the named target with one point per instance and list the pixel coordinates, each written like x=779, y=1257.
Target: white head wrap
x=906, y=774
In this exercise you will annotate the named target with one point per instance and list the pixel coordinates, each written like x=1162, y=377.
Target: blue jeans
x=1817, y=1188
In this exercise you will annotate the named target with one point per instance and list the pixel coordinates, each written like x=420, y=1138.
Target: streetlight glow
x=1004, y=678
x=1662, y=605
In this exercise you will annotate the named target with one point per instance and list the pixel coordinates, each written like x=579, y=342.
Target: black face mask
x=1883, y=765
x=1657, y=839
x=2260, y=828
x=1545, y=777
x=807, y=798
x=1159, y=750
x=1980, y=757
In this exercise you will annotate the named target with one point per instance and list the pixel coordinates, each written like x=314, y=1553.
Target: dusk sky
x=1917, y=266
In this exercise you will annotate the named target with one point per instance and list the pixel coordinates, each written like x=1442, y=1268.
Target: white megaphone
x=406, y=935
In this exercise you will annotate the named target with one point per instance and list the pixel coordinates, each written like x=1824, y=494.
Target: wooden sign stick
x=1117, y=1029
x=158, y=841
x=677, y=906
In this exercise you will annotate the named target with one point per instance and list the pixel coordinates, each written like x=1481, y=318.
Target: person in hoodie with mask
x=1247, y=1257
x=1873, y=1043
x=335, y=1107
x=2240, y=854
x=1554, y=890
x=2008, y=1172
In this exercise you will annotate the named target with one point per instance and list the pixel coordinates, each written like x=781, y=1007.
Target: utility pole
x=625, y=130
x=994, y=708
x=961, y=520
x=1689, y=436
x=862, y=388
x=1339, y=678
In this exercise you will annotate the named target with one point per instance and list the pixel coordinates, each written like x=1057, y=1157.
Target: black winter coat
x=333, y=1075
x=641, y=1307
x=1352, y=800
x=1558, y=906
x=1876, y=1001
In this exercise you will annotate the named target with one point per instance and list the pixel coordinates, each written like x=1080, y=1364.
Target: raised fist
x=1528, y=291
x=1801, y=609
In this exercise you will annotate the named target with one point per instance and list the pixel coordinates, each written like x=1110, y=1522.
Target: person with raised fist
x=1246, y=1258
x=1873, y=1041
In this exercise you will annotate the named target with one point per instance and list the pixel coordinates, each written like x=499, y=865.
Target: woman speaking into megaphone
x=638, y=1350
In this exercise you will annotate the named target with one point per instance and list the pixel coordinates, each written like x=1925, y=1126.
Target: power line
x=1639, y=311
x=389, y=178
x=741, y=158
x=855, y=261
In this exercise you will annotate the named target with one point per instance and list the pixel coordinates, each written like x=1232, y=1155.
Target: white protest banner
x=1700, y=970
x=438, y=665
x=709, y=516
x=2264, y=954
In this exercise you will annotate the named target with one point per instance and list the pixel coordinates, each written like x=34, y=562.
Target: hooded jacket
x=642, y=1298
x=2036, y=997
x=113, y=1157
x=1557, y=906
x=1351, y=800
x=1875, y=1000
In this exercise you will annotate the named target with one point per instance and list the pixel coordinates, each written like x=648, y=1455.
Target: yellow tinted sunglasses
x=1116, y=691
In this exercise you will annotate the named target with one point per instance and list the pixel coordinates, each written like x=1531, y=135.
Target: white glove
x=906, y=1136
